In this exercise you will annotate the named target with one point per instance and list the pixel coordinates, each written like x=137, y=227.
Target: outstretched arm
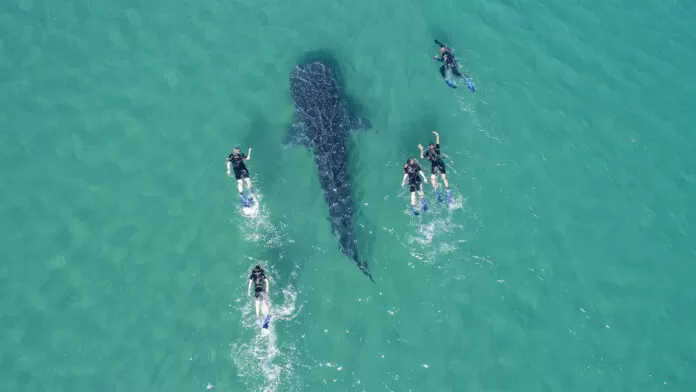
x=437, y=137
x=229, y=164
x=403, y=181
x=249, y=288
x=249, y=155
x=268, y=286
x=425, y=179
x=421, y=150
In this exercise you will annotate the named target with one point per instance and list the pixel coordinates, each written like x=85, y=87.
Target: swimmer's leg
x=264, y=308
x=248, y=182
x=256, y=302
x=443, y=72
x=413, y=202
x=240, y=188
x=456, y=72
x=424, y=205
x=433, y=180
x=447, y=189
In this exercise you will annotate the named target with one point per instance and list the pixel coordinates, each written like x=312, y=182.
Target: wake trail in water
x=264, y=364
x=257, y=225
x=436, y=232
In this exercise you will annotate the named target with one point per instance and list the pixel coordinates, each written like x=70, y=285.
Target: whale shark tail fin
x=363, y=267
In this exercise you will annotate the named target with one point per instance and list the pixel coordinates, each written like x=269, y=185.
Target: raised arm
x=420, y=147
x=249, y=155
x=437, y=137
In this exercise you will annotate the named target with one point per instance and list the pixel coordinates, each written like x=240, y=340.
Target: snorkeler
x=261, y=289
x=241, y=173
x=450, y=63
x=411, y=171
x=437, y=166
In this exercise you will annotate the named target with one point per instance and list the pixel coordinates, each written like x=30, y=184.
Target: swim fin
x=449, y=196
x=424, y=205
x=267, y=321
x=245, y=202
x=470, y=85
x=250, y=199
x=450, y=83
x=439, y=197
x=415, y=211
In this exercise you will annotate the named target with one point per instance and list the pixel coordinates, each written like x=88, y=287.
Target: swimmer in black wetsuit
x=411, y=172
x=235, y=161
x=447, y=57
x=437, y=165
x=261, y=289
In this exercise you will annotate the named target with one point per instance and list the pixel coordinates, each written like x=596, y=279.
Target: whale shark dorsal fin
x=297, y=135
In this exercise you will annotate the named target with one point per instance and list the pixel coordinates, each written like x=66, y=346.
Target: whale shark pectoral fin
x=357, y=123
x=297, y=135
x=360, y=124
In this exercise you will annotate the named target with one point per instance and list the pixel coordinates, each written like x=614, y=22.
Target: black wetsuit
x=259, y=279
x=240, y=169
x=414, y=180
x=449, y=63
x=433, y=155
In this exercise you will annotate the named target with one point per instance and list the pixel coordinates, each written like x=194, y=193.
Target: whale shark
x=323, y=123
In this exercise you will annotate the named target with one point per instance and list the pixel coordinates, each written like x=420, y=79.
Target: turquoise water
x=565, y=263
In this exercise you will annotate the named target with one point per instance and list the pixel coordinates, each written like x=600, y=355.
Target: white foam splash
x=258, y=227
x=263, y=355
x=434, y=233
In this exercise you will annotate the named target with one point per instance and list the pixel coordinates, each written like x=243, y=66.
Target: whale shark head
x=314, y=86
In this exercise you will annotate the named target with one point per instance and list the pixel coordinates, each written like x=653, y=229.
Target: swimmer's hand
x=420, y=146
x=435, y=133
x=229, y=174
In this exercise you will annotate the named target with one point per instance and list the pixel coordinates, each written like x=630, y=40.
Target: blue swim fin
x=415, y=211
x=450, y=83
x=245, y=202
x=449, y=196
x=267, y=321
x=424, y=205
x=250, y=199
x=470, y=85
x=439, y=197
